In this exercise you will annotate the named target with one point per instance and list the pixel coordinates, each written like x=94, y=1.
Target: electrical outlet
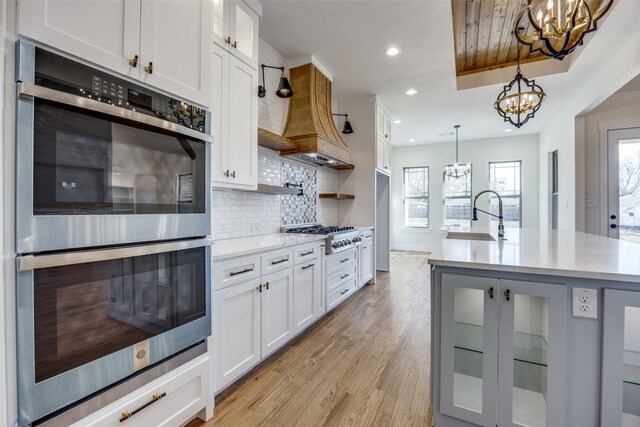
x=585, y=303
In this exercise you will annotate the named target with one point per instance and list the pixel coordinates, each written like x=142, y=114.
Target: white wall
x=618, y=58
x=479, y=154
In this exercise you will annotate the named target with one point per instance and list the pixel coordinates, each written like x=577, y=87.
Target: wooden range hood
x=310, y=124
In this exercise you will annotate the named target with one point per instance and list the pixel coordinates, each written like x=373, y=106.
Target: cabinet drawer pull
x=491, y=293
x=149, y=68
x=307, y=253
x=344, y=292
x=344, y=260
x=126, y=414
x=344, y=275
x=307, y=266
x=507, y=294
x=279, y=261
x=235, y=273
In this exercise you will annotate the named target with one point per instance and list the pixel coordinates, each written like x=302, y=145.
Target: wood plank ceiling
x=483, y=34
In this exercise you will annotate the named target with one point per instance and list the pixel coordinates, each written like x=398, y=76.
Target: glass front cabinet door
x=501, y=362
x=621, y=359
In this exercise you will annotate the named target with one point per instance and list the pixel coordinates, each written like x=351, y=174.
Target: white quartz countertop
x=550, y=252
x=230, y=248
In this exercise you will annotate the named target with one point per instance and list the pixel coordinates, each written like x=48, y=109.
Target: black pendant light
x=346, y=128
x=519, y=100
x=284, y=88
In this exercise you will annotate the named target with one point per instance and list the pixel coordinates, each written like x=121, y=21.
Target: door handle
x=613, y=216
x=149, y=68
x=134, y=62
x=613, y=226
x=507, y=294
x=491, y=292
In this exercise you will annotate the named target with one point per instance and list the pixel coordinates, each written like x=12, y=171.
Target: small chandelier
x=519, y=100
x=557, y=27
x=457, y=170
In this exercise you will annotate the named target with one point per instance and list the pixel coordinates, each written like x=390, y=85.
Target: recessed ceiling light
x=392, y=51
x=397, y=122
x=411, y=92
x=508, y=130
x=412, y=140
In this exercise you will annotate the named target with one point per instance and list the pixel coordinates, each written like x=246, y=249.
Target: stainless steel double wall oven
x=112, y=223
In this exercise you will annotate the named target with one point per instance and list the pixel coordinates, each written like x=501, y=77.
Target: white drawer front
x=336, y=261
x=349, y=272
x=306, y=253
x=185, y=392
x=277, y=260
x=239, y=270
x=335, y=297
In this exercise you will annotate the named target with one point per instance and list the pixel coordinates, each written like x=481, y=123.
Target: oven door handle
x=35, y=262
x=29, y=91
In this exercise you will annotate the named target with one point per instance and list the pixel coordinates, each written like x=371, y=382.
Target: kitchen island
x=539, y=329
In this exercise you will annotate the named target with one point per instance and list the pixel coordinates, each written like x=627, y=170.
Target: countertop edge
x=258, y=249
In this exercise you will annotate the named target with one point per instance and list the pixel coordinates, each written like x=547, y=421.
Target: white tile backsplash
x=327, y=208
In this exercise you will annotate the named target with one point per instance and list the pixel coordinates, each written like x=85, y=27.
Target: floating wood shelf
x=341, y=167
x=337, y=196
x=273, y=141
x=274, y=189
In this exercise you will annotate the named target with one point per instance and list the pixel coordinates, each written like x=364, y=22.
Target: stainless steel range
x=338, y=238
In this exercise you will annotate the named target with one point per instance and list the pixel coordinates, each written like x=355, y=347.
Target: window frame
x=445, y=198
x=404, y=199
x=519, y=196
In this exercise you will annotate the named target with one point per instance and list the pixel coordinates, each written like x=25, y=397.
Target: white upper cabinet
x=383, y=156
x=164, y=43
x=235, y=27
x=383, y=124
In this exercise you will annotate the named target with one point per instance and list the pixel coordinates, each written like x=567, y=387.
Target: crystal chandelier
x=557, y=27
x=519, y=100
x=457, y=170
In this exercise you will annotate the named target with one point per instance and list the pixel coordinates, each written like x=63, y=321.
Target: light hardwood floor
x=364, y=364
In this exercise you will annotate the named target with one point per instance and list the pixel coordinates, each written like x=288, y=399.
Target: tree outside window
x=416, y=197
x=505, y=178
x=457, y=201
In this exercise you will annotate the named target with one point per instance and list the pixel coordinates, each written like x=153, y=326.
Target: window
x=457, y=201
x=416, y=197
x=505, y=179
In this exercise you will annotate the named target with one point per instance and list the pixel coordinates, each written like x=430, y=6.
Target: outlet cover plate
x=585, y=303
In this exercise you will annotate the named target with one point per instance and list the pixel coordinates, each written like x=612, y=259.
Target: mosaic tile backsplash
x=299, y=209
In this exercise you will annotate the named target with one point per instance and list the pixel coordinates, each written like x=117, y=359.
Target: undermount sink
x=463, y=235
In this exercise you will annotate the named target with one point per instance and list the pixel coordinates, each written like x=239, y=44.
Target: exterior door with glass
x=623, y=213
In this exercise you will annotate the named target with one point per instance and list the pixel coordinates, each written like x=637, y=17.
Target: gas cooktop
x=318, y=229
x=338, y=238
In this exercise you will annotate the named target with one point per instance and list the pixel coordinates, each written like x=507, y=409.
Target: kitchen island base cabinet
x=502, y=351
x=621, y=359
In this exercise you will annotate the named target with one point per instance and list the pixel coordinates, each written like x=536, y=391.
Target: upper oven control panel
x=65, y=75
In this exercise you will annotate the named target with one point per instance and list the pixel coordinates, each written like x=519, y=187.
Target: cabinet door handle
x=344, y=292
x=267, y=285
x=279, y=261
x=134, y=62
x=233, y=175
x=344, y=260
x=304, y=267
x=126, y=414
x=149, y=68
x=226, y=173
x=344, y=276
x=507, y=294
x=228, y=40
x=235, y=273
x=234, y=44
x=259, y=288
x=491, y=293
x=306, y=253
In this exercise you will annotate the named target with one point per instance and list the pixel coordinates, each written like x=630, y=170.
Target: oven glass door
x=78, y=322
x=91, y=164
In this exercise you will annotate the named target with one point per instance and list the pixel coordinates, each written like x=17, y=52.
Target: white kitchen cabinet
x=341, y=277
x=277, y=310
x=140, y=39
x=235, y=29
x=503, y=351
x=236, y=331
x=307, y=294
x=383, y=124
x=366, y=260
x=383, y=156
x=186, y=390
x=234, y=122
x=621, y=359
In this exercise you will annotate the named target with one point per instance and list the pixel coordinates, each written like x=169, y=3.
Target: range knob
x=335, y=245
